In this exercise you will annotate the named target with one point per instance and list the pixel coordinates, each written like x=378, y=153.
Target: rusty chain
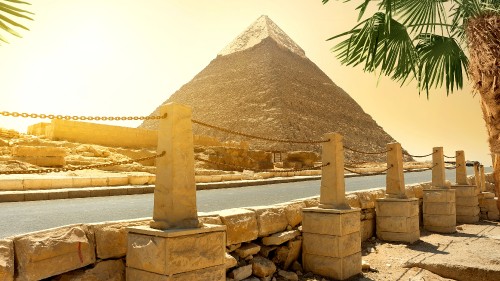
x=261, y=170
x=370, y=173
x=256, y=137
x=449, y=156
x=364, y=152
x=419, y=156
x=94, y=166
x=419, y=169
x=80, y=118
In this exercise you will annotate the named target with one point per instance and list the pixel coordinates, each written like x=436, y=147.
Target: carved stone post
x=395, y=181
x=467, y=203
x=438, y=175
x=461, y=176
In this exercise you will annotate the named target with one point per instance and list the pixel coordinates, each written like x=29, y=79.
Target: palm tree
x=428, y=41
x=6, y=23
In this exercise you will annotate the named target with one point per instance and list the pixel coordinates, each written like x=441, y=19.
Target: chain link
x=261, y=170
x=95, y=166
x=369, y=173
x=80, y=118
x=419, y=169
x=363, y=152
x=256, y=137
x=449, y=156
x=419, y=156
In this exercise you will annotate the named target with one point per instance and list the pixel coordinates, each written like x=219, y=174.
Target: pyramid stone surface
x=263, y=84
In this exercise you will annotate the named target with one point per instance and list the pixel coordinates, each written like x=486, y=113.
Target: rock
x=230, y=261
x=241, y=273
x=293, y=213
x=251, y=279
x=247, y=249
x=365, y=266
x=266, y=250
x=280, y=237
x=241, y=225
x=6, y=260
x=288, y=275
x=231, y=248
x=297, y=267
x=270, y=219
x=111, y=238
x=110, y=270
x=286, y=255
x=263, y=267
x=52, y=252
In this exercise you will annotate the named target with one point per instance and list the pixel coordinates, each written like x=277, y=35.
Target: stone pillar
x=482, y=178
x=467, y=203
x=397, y=216
x=477, y=177
x=331, y=232
x=332, y=192
x=176, y=246
x=439, y=208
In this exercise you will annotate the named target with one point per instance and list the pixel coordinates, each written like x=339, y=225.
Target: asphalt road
x=21, y=217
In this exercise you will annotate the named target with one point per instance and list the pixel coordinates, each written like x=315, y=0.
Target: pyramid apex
x=259, y=30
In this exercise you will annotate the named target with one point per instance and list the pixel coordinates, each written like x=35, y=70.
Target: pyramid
x=263, y=84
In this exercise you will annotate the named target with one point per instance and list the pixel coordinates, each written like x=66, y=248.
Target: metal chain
x=256, y=137
x=261, y=170
x=419, y=169
x=81, y=118
x=451, y=168
x=419, y=156
x=95, y=166
x=369, y=174
x=449, y=156
x=363, y=152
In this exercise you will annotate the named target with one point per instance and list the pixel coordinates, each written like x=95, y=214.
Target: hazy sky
x=124, y=57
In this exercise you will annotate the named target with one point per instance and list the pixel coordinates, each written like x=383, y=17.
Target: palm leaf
x=441, y=60
x=421, y=16
x=6, y=22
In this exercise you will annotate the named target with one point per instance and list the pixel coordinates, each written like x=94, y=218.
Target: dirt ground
x=472, y=253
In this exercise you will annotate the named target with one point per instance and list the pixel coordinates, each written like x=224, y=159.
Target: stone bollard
x=487, y=202
x=331, y=231
x=176, y=246
x=467, y=203
x=439, y=209
x=397, y=216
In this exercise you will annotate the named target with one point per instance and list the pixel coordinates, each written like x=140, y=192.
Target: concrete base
x=397, y=219
x=176, y=254
x=439, y=210
x=331, y=242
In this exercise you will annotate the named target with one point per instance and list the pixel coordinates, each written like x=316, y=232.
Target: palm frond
x=6, y=22
x=418, y=15
x=441, y=60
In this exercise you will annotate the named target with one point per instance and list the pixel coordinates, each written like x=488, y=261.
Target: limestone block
x=117, y=190
x=99, y=192
x=441, y=229
x=210, y=219
x=230, y=261
x=434, y=208
x=57, y=194
x=280, y=237
x=388, y=207
x=11, y=184
x=488, y=195
x=42, y=161
x=262, y=267
x=367, y=197
x=468, y=211
x=110, y=270
x=331, y=222
x=414, y=191
x=117, y=180
x=131, y=190
x=270, y=219
x=493, y=216
x=48, y=253
x=241, y=273
x=111, y=238
x=353, y=200
x=138, y=179
x=367, y=229
x=98, y=181
x=78, y=193
x=464, y=190
x=294, y=250
x=440, y=220
x=311, y=201
x=241, y=225
x=62, y=182
x=247, y=249
x=467, y=201
x=467, y=219
x=331, y=246
x=215, y=273
x=293, y=212
x=35, y=151
x=6, y=260
x=266, y=250
x=397, y=224
x=439, y=195
x=336, y=268
x=406, y=237
x=37, y=183
x=190, y=250
x=36, y=195
x=82, y=182
x=490, y=203
x=12, y=196
x=288, y=275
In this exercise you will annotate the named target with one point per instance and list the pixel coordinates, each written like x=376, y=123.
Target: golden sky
x=124, y=57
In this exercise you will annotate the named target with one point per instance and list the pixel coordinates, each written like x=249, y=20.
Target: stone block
x=270, y=219
x=230, y=261
x=493, y=216
x=99, y=192
x=117, y=190
x=490, y=203
x=241, y=272
x=280, y=237
x=78, y=193
x=467, y=211
x=11, y=184
x=464, y=190
x=43, y=161
x=12, y=196
x=6, y=260
x=440, y=220
x=397, y=224
x=37, y=183
x=209, y=218
x=131, y=190
x=97, y=181
x=353, y=200
x=82, y=182
x=293, y=212
x=215, y=273
x=138, y=179
x=330, y=221
x=293, y=253
x=311, y=202
x=367, y=197
x=57, y=194
x=247, y=249
x=388, y=207
x=367, y=229
x=241, y=225
x=168, y=252
x=439, y=195
x=110, y=270
x=262, y=267
x=111, y=238
x=48, y=253
x=62, y=182
x=434, y=208
x=467, y=219
x=488, y=195
x=441, y=229
x=117, y=180
x=414, y=191
x=467, y=201
x=335, y=268
x=405, y=237
x=331, y=246
x=36, y=195
x=39, y=151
